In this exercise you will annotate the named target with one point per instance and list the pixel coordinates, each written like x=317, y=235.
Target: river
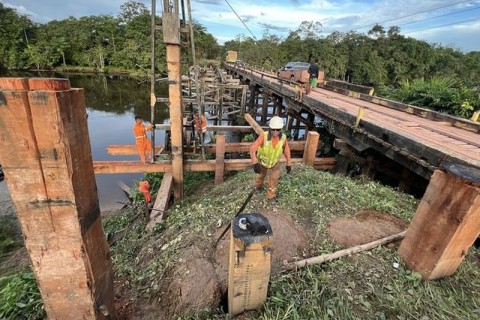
x=112, y=102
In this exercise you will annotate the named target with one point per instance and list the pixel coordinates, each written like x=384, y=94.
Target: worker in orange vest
x=265, y=154
x=200, y=124
x=143, y=144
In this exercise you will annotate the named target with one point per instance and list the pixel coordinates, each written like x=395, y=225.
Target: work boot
x=272, y=201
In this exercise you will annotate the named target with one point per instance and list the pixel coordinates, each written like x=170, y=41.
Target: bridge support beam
x=171, y=37
x=45, y=153
x=445, y=226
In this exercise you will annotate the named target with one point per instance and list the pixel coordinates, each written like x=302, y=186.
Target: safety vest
x=268, y=155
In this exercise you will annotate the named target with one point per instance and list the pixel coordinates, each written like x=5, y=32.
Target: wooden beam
x=220, y=159
x=256, y=127
x=126, y=150
x=109, y=167
x=162, y=201
x=216, y=128
x=46, y=156
x=171, y=36
x=311, y=148
x=446, y=224
x=131, y=150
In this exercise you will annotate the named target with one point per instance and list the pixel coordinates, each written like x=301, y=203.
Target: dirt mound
x=200, y=278
x=363, y=227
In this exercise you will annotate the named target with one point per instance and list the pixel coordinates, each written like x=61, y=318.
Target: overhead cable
x=443, y=25
x=413, y=14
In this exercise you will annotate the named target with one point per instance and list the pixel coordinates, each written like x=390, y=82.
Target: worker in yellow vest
x=265, y=153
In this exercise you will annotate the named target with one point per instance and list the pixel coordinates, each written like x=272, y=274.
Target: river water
x=112, y=102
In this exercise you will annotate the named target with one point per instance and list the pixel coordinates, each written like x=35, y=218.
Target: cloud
x=247, y=18
x=273, y=27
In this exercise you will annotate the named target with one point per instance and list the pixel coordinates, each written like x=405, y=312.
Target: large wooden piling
x=445, y=226
x=171, y=37
x=46, y=156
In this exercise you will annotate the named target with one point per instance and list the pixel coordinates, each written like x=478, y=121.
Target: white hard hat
x=276, y=123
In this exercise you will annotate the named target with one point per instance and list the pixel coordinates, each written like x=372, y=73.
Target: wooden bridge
x=420, y=140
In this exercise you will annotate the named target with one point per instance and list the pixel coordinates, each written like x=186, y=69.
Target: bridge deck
x=428, y=138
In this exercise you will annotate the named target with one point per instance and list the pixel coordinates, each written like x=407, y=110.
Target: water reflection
x=112, y=102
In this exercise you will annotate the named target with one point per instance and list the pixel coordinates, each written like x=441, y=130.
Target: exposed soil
x=199, y=280
x=363, y=227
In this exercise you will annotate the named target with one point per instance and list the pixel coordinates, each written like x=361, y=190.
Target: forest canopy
x=399, y=67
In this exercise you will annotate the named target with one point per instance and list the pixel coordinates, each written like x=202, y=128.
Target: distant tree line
x=399, y=67
x=97, y=42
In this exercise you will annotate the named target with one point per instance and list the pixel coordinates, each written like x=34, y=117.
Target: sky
x=451, y=23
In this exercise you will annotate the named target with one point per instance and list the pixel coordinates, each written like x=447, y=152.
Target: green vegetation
x=100, y=43
x=387, y=60
x=362, y=286
x=20, y=298
x=8, y=240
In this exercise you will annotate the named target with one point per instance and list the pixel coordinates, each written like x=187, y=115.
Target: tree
x=131, y=10
x=14, y=37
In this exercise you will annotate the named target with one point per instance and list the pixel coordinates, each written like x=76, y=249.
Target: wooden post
x=171, y=37
x=446, y=224
x=160, y=207
x=46, y=156
x=264, y=106
x=258, y=129
x=220, y=104
x=343, y=157
x=310, y=148
x=249, y=266
x=220, y=159
x=243, y=102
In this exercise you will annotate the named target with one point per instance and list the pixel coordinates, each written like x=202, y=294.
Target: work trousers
x=274, y=176
x=143, y=146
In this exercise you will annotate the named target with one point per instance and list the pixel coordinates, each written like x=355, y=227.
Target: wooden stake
x=311, y=148
x=220, y=159
x=446, y=224
x=345, y=252
x=249, y=265
x=46, y=156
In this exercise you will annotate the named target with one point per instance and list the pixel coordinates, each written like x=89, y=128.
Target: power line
x=254, y=38
x=440, y=16
x=413, y=14
x=444, y=25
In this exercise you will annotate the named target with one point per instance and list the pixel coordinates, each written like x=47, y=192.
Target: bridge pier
x=446, y=224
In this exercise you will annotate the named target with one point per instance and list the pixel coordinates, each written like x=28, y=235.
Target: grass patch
x=362, y=286
x=20, y=298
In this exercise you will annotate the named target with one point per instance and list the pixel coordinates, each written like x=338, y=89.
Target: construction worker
x=200, y=124
x=143, y=144
x=265, y=153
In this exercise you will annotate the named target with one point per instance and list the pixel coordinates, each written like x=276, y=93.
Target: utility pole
x=153, y=98
x=171, y=37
